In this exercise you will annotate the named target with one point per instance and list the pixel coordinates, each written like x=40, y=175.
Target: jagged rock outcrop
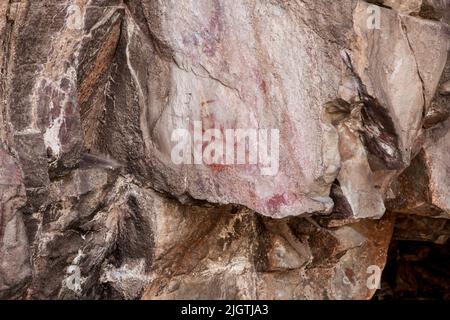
x=140, y=244
x=312, y=132
x=423, y=188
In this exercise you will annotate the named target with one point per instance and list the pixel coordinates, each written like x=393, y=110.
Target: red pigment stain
x=218, y=167
x=275, y=202
x=263, y=86
x=210, y=36
x=350, y=275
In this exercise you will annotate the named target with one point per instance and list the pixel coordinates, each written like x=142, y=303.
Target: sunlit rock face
x=216, y=149
x=421, y=189
x=244, y=67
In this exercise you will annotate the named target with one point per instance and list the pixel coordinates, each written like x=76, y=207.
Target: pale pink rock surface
x=95, y=207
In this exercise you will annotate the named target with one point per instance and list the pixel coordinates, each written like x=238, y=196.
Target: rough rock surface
x=15, y=268
x=140, y=244
x=93, y=204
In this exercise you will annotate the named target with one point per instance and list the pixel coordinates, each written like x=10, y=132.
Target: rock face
x=210, y=149
x=140, y=244
x=15, y=268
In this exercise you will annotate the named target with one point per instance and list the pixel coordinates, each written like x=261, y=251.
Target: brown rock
x=15, y=269
x=94, y=204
